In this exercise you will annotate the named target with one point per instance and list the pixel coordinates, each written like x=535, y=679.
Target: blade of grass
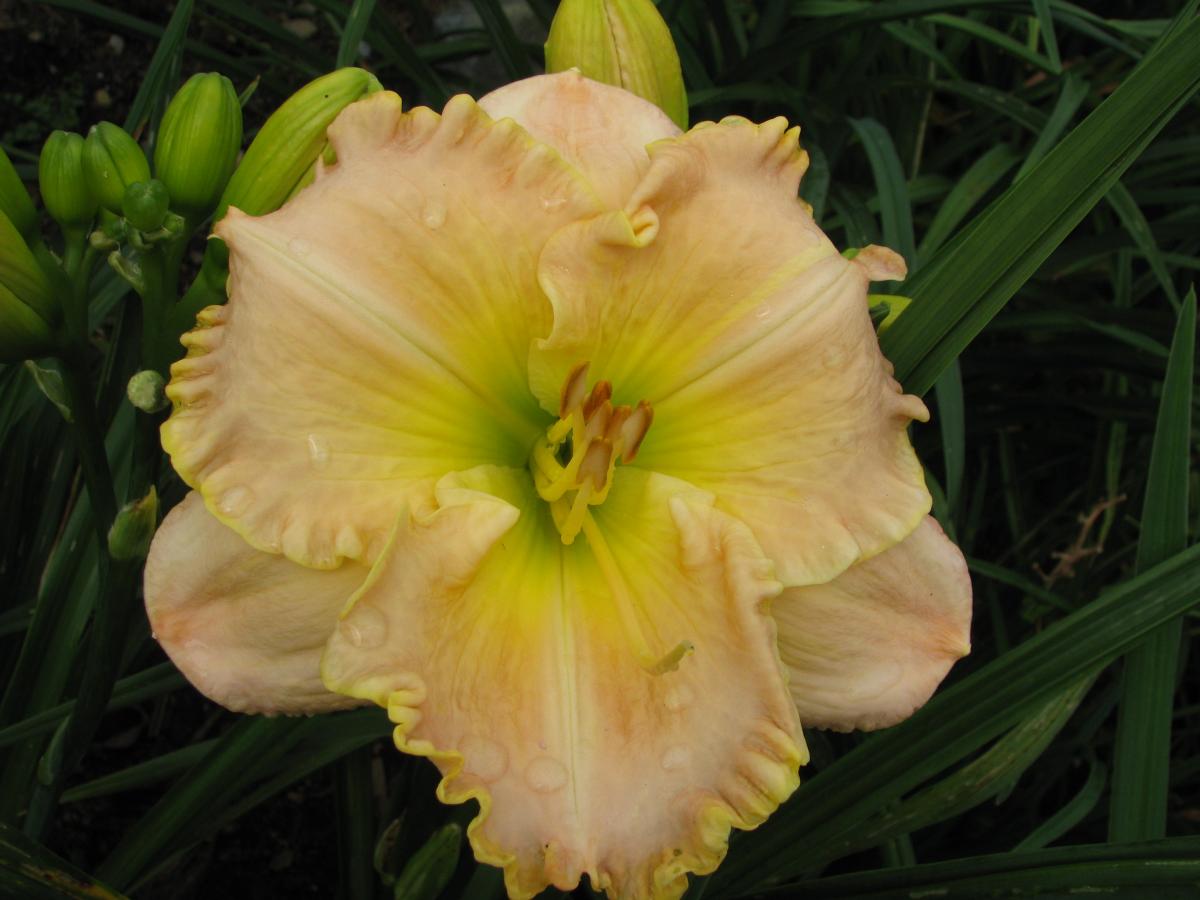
x=355, y=824
x=972, y=187
x=508, y=47
x=357, y=21
x=152, y=771
x=131, y=690
x=152, y=94
x=1142, y=752
x=1070, y=97
x=1164, y=870
x=1076, y=809
x=1041, y=9
x=960, y=291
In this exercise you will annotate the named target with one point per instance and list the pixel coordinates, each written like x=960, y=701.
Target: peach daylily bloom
x=566, y=438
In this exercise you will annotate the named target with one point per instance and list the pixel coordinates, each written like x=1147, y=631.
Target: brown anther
x=573, y=390
x=597, y=422
x=633, y=430
x=616, y=422
x=601, y=391
x=595, y=463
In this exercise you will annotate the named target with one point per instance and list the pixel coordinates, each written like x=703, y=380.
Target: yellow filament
x=623, y=603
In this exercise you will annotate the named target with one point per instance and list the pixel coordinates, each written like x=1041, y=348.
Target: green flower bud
x=146, y=391
x=112, y=161
x=65, y=190
x=198, y=143
x=15, y=201
x=291, y=140
x=23, y=333
x=129, y=537
x=145, y=204
x=22, y=277
x=624, y=43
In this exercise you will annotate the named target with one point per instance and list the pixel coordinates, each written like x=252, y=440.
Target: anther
x=573, y=390
x=596, y=463
x=633, y=430
x=601, y=391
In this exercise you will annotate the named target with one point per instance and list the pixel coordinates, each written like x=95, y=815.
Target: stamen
x=601, y=391
x=633, y=431
x=574, y=462
x=573, y=390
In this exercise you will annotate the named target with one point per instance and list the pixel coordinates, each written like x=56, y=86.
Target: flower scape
x=565, y=437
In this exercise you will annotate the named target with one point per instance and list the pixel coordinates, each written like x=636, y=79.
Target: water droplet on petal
x=299, y=247
x=552, y=203
x=484, y=757
x=676, y=758
x=546, y=775
x=763, y=312
x=433, y=213
x=318, y=451
x=365, y=627
x=234, y=501
x=678, y=697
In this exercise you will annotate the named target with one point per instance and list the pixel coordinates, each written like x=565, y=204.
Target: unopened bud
x=23, y=333
x=625, y=43
x=131, y=532
x=198, y=143
x=112, y=161
x=22, y=276
x=65, y=190
x=15, y=202
x=145, y=204
x=146, y=391
x=291, y=140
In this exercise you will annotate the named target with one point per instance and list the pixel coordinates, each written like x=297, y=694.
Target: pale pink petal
x=247, y=628
x=377, y=330
x=603, y=130
x=716, y=298
x=869, y=648
x=615, y=706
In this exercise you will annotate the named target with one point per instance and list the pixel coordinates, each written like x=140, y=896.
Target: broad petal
x=247, y=628
x=868, y=649
x=602, y=129
x=377, y=330
x=518, y=666
x=716, y=298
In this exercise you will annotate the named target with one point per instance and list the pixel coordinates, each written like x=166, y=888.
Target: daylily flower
x=566, y=438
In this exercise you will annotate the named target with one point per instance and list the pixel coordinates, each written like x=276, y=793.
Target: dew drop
x=484, y=757
x=552, y=203
x=433, y=213
x=318, y=451
x=675, y=758
x=299, y=247
x=763, y=312
x=365, y=627
x=234, y=501
x=678, y=697
x=546, y=775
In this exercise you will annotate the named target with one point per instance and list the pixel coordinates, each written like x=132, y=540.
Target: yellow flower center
x=573, y=462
